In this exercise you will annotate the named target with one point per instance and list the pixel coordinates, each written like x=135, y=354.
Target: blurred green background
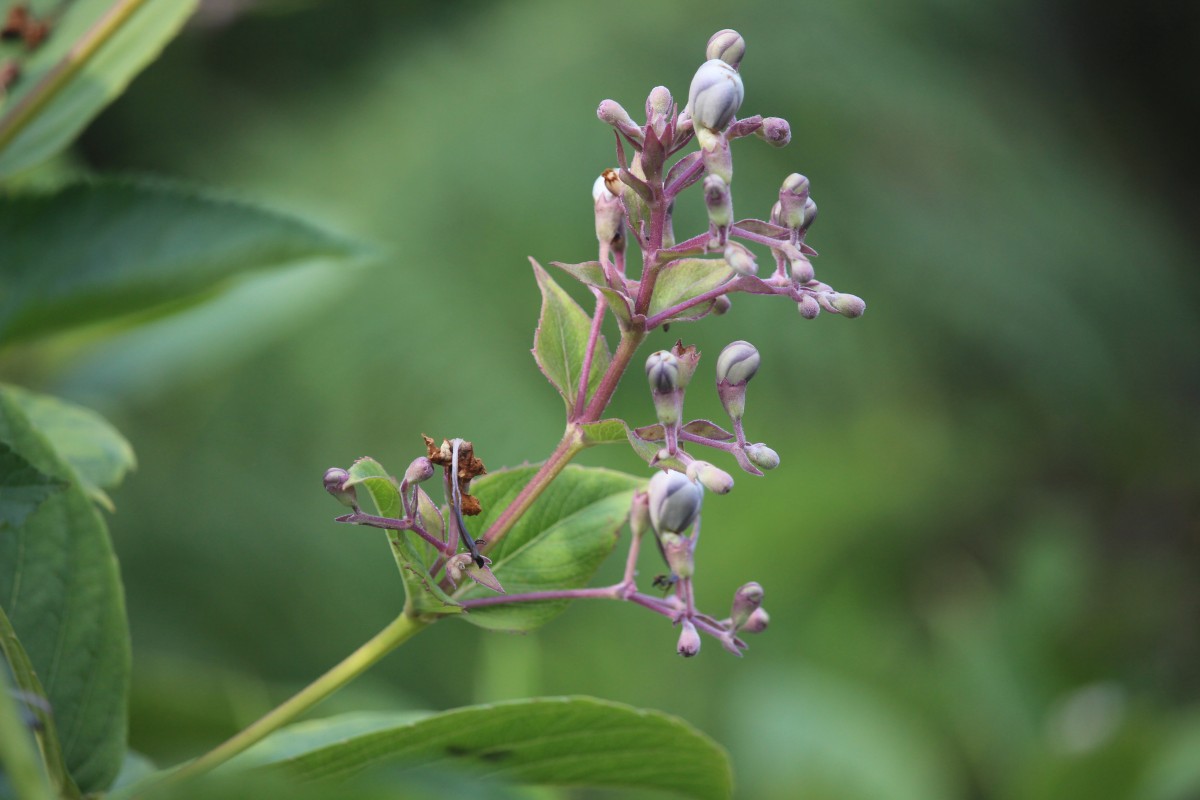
x=981, y=549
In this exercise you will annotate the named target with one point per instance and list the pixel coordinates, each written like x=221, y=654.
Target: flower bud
x=758, y=621
x=740, y=259
x=419, y=471
x=738, y=363
x=727, y=45
x=689, y=358
x=802, y=269
x=658, y=108
x=335, y=484
x=678, y=552
x=746, y=601
x=762, y=456
x=715, y=153
x=639, y=514
x=848, y=305
x=715, y=479
x=456, y=565
x=610, y=216
x=614, y=114
x=775, y=131
x=792, y=197
x=721, y=305
x=715, y=95
x=689, y=640
x=662, y=370
x=810, y=214
x=809, y=307
x=674, y=501
x=719, y=201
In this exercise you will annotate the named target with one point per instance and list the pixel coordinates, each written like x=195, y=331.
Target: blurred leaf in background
x=980, y=548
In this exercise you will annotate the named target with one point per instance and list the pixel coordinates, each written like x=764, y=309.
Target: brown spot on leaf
x=469, y=467
x=20, y=24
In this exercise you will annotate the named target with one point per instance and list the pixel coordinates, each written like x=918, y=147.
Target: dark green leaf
x=561, y=339
x=423, y=593
x=99, y=250
x=20, y=767
x=568, y=741
x=559, y=543
x=22, y=487
x=60, y=588
x=684, y=279
x=101, y=78
x=96, y=450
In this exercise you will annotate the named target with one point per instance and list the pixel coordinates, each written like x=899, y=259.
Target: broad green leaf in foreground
x=100, y=455
x=568, y=741
x=20, y=767
x=561, y=339
x=84, y=80
x=684, y=279
x=60, y=588
x=22, y=487
x=559, y=543
x=101, y=249
x=423, y=593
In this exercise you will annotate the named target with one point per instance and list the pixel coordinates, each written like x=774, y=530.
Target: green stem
x=18, y=756
x=395, y=634
x=24, y=112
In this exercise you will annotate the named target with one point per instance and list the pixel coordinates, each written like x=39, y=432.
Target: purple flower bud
x=713, y=478
x=727, y=45
x=721, y=305
x=762, y=456
x=746, y=600
x=688, y=357
x=758, y=621
x=419, y=471
x=639, y=514
x=740, y=259
x=809, y=307
x=719, y=201
x=792, y=197
x=689, y=640
x=848, y=305
x=715, y=95
x=674, y=501
x=614, y=114
x=775, y=131
x=335, y=484
x=802, y=269
x=662, y=370
x=738, y=363
x=810, y=214
x=659, y=106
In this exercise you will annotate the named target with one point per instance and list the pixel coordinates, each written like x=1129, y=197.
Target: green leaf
x=558, y=741
x=561, y=339
x=104, y=249
x=606, y=431
x=89, y=85
x=423, y=594
x=22, y=487
x=699, y=427
x=680, y=281
x=590, y=274
x=26, y=679
x=20, y=767
x=96, y=450
x=559, y=543
x=60, y=588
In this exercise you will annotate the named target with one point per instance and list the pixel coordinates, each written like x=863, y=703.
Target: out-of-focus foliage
x=980, y=548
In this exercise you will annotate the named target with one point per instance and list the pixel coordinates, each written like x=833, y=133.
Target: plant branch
x=370, y=653
x=630, y=339
x=27, y=109
x=589, y=354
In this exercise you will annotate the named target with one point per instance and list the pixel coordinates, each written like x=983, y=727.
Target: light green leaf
x=424, y=596
x=558, y=741
x=559, y=543
x=96, y=450
x=590, y=274
x=680, y=281
x=606, y=431
x=60, y=588
x=70, y=87
x=561, y=339
x=99, y=250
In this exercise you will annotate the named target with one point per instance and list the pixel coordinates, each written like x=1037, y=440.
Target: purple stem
x=690, y=176
x=749, y=236
x=391, y=524
x=630, y=340
x=588, y=354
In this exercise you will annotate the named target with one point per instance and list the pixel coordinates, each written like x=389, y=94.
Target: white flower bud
x=802, y=269
x=848, y=305
x=614, y=114
x=762, y=456
x=740, y=259
x=713, y=478
x=737, y=363
x=727, y=45
x=689, y=640
x=715, y=96
x=674, y=501
x=662, y=370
